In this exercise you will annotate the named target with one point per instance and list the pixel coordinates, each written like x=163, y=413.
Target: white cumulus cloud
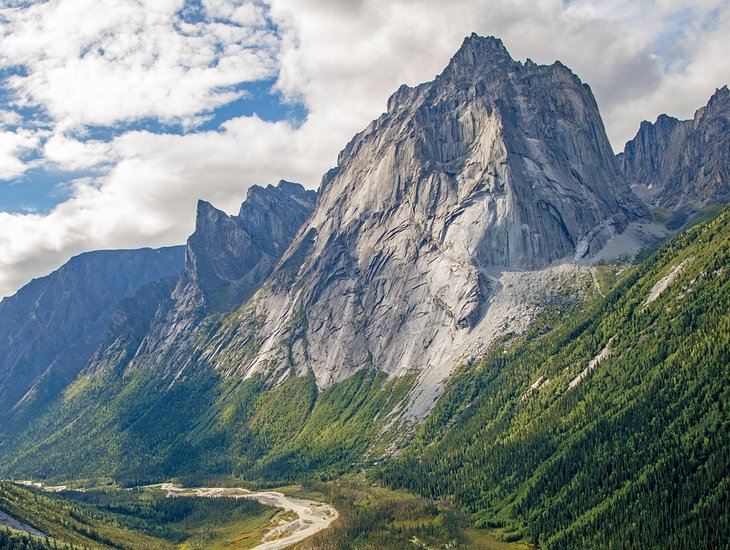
x=13, y=144
x=99, y=62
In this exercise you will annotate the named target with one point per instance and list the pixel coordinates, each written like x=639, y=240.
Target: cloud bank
x=119, y=94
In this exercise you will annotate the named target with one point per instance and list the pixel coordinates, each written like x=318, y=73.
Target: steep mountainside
x=227, y=259
x=494, y=166
x=449, y=222
x=51, y=327
x=683, y=164
x=114, y=410
x=611, y=429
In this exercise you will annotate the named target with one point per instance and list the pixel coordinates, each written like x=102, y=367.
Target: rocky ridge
x=494, y=166
x=683, y=164
x=50, y=328
x=226, y=260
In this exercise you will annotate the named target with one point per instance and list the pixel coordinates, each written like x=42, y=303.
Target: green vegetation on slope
x=193, y=522
x=637, y=453
x=377, y=518
x=136, y=428
x=10, y=540
x=68, y=523
x=136, y=518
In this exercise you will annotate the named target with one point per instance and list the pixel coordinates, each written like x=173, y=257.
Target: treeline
x=111, y=428
x=637, y=455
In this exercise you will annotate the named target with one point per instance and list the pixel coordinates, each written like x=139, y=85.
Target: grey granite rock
x=683, y=164
x=227, y=258
x=495, y=165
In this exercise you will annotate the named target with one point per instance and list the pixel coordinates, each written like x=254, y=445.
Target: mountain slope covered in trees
x=609, y=430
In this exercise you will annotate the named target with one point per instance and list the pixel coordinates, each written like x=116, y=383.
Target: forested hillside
x=206, y=424
x=131, y=519
x=611, y=429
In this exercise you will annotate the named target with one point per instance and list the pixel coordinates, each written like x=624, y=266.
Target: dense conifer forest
x=633, y=454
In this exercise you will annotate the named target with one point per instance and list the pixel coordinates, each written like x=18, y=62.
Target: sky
x=116, y=116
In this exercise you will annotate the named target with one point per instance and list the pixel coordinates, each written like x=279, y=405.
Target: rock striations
x=227, y=258
x=683, y=164
x=495, y=165
x=450, y=221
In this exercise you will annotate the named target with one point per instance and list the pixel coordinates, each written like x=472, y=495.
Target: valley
x=179, y=521
x=484, y=331
x=310, y=517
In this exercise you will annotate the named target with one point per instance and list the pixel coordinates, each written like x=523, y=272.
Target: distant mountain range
x=316, y=331
x=52, y=326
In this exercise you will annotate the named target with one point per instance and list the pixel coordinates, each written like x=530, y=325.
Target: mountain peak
x=720, y=100
x=682, y=164
x=208, y=215
x=478, y=51
x=721, y=93
x=487, y=167
x=477, y=44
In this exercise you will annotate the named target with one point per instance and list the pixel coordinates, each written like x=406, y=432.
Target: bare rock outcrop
x=683, y=164
x=495, y=165
x=226, y=260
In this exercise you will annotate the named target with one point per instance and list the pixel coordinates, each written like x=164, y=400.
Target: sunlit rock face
x=494, y=165
x=683, y=164
x=226, y=260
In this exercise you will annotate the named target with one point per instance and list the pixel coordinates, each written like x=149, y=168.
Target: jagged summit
x=481, y=55
x=683, y=165
x=493, y=165
x=228, y=257
x=479, y=51
x=718, y=103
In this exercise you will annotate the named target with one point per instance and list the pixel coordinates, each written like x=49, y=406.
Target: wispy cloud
x=99, y=62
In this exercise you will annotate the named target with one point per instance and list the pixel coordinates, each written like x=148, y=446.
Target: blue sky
x=116, y=116
x=42, y=187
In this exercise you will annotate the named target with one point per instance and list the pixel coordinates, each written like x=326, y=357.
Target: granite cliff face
x=228, y=257
x=226, y=260
x=683, y=164
x=495, y=165
x=50, y=328
x=451, y=220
